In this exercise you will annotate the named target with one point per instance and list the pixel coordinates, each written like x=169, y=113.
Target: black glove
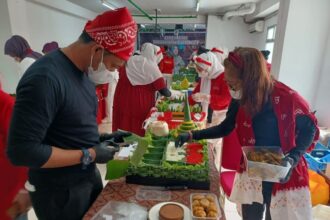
x=285, y=161
x=117, y=136
x=182, y=138
x=104, y=152
x=165, y=92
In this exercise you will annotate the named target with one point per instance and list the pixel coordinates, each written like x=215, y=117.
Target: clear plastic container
x=120, y=211
x=265, y=171
x=216, y=201
x=154, y=193
x=321, y=212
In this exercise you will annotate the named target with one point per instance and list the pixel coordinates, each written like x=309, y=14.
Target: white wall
x=7, y=66
x=61, y=26
x=260, y=38
x=41, y=21
x=322, y=99
x=229, y=34
x=304, y=43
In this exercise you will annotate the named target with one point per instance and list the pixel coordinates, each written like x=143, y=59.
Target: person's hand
x=104, y=152
x=183, y=138
x=21, y=204
x=287, y=160
x=117, y=136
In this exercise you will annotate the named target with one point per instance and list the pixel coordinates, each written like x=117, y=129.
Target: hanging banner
x=179, y=43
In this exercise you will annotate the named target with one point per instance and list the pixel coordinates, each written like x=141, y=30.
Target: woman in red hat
x=266, y=112
x=138, y=83
x=211, y=91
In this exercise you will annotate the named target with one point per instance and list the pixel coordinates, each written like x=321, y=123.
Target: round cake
x=171, y=212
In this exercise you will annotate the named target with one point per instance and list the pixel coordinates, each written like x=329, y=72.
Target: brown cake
x=171, y=212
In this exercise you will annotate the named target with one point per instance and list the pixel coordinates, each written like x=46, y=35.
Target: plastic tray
x=152, y=193
x=265, y=171
x=321, y=212
x=216, y=200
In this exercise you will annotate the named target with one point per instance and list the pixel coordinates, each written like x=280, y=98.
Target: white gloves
x=201, y=97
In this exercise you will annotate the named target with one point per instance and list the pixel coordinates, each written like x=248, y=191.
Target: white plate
x=154, y=211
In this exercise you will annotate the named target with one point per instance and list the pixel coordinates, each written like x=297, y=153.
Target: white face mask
x=159, y=58
x=100, y=76
x=202, y=74
x=235, y=94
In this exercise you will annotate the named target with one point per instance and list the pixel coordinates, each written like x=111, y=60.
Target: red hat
x=115, y=31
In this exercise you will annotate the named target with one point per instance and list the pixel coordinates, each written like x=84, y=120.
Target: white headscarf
x=208, y=62
x=143, y=69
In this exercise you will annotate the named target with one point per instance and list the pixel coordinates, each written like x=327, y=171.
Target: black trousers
x=209, y=115
x=256, y=210
x=66, y=197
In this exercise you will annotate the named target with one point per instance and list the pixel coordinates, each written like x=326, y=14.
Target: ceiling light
x=197, y=5
x=108, y=5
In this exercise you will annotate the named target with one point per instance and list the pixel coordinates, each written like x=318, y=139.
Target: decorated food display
x=172, y=110
x=188, y=124
x=189, y=73
x=156, y=161
x=182, y=84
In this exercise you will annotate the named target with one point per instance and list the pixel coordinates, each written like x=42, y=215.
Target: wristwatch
x=86, y=159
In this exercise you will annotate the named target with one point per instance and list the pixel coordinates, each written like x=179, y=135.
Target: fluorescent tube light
x=197, y=6
x=107, y=4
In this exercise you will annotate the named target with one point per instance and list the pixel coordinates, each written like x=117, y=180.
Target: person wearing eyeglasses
x=266, y=112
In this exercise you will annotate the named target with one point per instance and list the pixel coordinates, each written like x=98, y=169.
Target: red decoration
x=115, y=31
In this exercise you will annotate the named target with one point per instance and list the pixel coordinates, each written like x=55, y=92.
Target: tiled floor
x=230, y=208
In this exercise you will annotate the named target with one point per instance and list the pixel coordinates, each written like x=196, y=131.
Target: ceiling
x=167, y=7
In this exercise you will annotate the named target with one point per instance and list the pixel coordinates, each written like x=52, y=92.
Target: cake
x=171, y=212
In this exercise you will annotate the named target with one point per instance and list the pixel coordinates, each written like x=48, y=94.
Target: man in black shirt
x=53, y=129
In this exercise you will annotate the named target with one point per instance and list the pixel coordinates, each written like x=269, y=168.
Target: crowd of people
x=50, y=142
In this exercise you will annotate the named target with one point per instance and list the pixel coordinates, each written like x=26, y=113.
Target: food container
x=263, y=167
x=207, y=196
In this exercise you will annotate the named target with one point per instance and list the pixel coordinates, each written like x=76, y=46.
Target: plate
x=154, y=211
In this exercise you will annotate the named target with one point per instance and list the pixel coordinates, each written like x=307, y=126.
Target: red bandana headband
x=200, y=60
x=235, y=59
x=216, y=50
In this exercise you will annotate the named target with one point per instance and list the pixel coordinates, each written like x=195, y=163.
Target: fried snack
x=198, y=208
x=212, y=214
x=195, y=203
x=205, y=203
x=210, y=198
x=212, y=207
x=198, y=197
x=200, y=214
x=265, y=156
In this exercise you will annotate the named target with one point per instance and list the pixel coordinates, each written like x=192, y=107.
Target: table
x=119, y=190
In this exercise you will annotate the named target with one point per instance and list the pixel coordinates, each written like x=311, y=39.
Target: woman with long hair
x=266, y=112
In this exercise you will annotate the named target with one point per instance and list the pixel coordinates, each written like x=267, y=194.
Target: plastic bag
x=121, y=211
